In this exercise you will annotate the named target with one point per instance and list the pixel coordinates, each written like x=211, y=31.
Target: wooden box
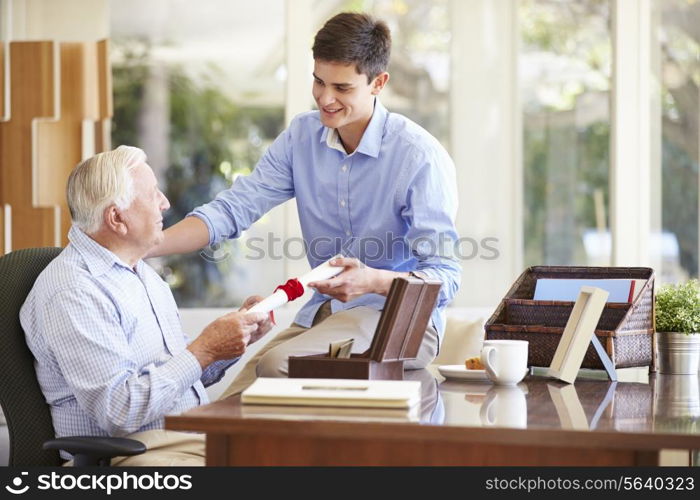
x=398, y=337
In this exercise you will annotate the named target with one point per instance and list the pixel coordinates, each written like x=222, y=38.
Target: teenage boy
x=368, y=183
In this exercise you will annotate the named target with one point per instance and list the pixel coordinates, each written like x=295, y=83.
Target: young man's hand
x=356, y=279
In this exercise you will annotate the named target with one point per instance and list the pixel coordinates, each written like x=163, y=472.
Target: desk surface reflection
x=540, y=421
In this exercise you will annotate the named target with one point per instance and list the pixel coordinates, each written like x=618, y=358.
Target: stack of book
x=396, y=394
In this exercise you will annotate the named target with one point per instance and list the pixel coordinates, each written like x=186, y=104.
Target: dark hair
x=352, y=37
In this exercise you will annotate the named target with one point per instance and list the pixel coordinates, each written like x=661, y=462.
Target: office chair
x=32, y=436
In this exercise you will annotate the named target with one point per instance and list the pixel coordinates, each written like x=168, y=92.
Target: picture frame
x=578, y=334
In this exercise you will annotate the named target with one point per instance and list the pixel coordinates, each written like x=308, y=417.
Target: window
x=203, y=87
x=420, y=59
x=678, y=36
x=200, y=87
x=564, y=70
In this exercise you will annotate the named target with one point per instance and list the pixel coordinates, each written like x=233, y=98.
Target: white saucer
x=460, y=372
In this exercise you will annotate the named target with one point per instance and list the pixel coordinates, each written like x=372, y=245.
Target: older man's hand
x=226, y=337
x=263, y=326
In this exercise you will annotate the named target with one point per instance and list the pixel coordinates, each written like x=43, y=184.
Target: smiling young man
x=368, y=183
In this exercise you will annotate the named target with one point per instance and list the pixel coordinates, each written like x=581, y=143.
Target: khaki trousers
x=358, y=323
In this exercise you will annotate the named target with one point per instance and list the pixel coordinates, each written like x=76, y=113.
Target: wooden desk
x=590, y=423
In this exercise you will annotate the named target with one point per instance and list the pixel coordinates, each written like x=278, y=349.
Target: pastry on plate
x=474, y=363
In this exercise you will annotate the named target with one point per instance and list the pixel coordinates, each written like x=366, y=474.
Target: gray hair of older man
x=100, y=182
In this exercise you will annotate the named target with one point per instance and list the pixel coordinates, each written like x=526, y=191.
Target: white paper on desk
x=568, y=289
x=333, y=392
x=322, y=272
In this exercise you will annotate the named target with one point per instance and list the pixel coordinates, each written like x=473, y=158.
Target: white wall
x=486, y=131
x=64, y=20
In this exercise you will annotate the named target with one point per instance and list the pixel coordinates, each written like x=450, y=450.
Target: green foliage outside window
x=211, y=140
x=565, y=155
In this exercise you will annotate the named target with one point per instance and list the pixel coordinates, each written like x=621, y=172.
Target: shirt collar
x=371, y=141
x=98, y=259
x=332, y=139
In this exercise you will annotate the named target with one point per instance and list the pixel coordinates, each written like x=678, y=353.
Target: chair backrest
x=28, y=416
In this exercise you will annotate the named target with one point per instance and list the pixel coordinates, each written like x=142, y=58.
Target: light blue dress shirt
x=391, y=203
x=111, y=357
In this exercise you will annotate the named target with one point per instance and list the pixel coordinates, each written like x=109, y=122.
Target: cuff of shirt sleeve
x=204, y=218
x=186, y=369
x=420, y=274
x=425, y=273
x=216, y=371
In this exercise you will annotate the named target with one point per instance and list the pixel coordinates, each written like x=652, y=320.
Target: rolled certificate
x=296, y=287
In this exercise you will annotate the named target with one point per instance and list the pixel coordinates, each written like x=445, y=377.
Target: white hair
x=99, y=182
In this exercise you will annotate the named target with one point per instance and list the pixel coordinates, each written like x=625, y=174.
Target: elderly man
x=111, y=357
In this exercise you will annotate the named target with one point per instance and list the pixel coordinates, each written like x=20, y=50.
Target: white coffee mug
x=505, y=406
x=505, y=361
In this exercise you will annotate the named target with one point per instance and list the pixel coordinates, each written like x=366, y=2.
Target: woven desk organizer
x=626, y=330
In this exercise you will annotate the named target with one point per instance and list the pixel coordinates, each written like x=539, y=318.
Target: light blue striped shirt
x=111, y=357
x=392, y=203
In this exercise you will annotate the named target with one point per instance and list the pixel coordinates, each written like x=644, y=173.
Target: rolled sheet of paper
x=271, y=302
x=281, y=296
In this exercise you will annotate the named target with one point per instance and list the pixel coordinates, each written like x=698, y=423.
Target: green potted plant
x=677, y=327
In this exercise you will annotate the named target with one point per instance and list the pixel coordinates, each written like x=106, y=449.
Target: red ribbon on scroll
x=293, y=288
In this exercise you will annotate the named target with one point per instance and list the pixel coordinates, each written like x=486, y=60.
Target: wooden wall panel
x=104, y=74
x=33, y=74
x=59, y=143
x=49, y=131
x=103, y=125
x=2, y=80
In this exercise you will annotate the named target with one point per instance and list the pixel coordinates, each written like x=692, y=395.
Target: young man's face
x=344, y=98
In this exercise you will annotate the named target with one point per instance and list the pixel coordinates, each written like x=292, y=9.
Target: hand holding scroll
x=356, y=279
x=263, y=326
x=295, y=287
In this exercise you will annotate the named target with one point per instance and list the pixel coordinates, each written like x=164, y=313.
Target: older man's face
x=144, y=217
